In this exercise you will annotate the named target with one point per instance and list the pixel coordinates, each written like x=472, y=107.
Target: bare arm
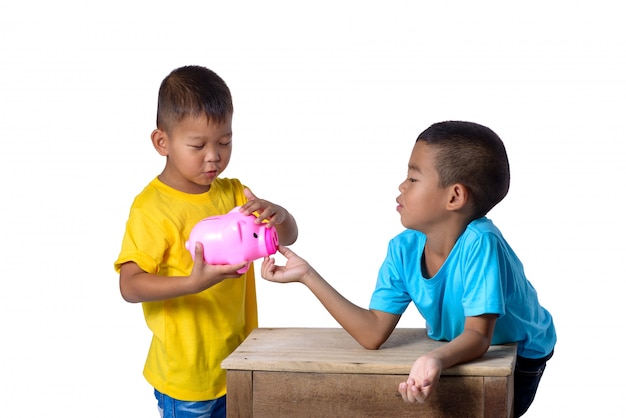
x=138, y=286
x=370, y=328
x=471, y=344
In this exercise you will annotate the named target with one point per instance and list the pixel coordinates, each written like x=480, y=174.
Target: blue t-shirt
x=482, y=275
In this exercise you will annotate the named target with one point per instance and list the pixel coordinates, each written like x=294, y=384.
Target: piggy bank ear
x=235, y=209
x=239, y=227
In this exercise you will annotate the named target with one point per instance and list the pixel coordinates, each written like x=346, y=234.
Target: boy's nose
x=212, y=155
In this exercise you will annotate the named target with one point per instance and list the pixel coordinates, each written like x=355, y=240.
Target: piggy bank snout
x=232, y=238
x=271, y=241
x=262, y=242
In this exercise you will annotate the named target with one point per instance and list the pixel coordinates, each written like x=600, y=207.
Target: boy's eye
x=225, y=144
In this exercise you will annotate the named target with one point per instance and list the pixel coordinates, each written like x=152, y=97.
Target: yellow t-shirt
x=192, y=334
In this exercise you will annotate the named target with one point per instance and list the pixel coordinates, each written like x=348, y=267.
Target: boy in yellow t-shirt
x=198, y=313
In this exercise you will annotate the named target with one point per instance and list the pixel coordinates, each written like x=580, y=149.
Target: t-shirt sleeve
x=484, y=291
x=144, y=242
x=390, y=294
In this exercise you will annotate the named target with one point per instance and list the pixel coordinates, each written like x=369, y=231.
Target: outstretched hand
x=294, y=270
x=422, y=380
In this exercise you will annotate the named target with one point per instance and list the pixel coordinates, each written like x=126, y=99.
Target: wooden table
x=324, y=372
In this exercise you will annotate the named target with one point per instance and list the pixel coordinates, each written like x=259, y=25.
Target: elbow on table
x=371, y=342
x=371, y=346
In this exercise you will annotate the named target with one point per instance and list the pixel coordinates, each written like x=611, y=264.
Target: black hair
x=192, y=91
x=472, y=155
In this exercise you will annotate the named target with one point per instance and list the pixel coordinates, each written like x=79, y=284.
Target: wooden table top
x=333, y=350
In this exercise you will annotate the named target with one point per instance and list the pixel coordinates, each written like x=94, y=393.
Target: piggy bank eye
x=255, y=235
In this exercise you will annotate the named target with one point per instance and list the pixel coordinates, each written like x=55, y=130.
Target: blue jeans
x=528, y=373
x=174, y=408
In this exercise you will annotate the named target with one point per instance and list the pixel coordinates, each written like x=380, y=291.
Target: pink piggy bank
x=232, y=239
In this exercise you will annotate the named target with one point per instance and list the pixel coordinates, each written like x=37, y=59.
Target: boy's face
x=422, y=202
x=197, y=152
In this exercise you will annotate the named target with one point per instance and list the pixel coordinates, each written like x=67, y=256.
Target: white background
x=329, y=98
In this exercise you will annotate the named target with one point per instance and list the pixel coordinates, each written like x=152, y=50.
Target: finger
x=264, y=215
x=231, y=270
x=267, y=268
x=266, y=261
x=247, y=208
x=402, y=389
x=250, y=206
x=286, y=251
x=248, y=193
x=424, y=391
x=416, y=394
x=407, y=391
x=199, y=253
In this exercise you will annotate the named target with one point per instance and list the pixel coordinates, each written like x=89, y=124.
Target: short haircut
x=474, y=156
x=192, y=91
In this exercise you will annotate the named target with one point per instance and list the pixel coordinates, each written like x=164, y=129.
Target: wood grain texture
x=333, y=350
x=323, y=372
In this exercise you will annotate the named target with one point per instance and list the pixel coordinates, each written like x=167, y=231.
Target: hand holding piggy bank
x=232, y=239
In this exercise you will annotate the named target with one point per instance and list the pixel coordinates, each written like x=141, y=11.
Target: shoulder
x=481, y=228
x=149, y=193
x=483, y=240
x=408, y=240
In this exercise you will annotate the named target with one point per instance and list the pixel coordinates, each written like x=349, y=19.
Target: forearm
x=144, y=287
x=362, y=324
x=468, y=346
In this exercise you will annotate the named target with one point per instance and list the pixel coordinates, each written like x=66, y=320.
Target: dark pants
x=528, y=373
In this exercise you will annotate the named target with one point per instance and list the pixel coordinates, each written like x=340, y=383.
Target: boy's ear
x=459, y=197
x=159, y=141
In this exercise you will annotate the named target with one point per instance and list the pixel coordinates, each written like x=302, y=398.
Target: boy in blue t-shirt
x=451, y=262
